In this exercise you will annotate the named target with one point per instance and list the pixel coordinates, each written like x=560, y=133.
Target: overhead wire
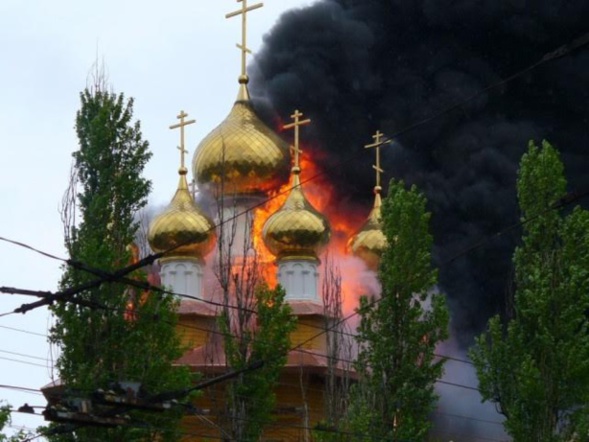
x=211, y=331
x=560, y=204
x=559, y=52
x=20, y=330
x=569, y=199
x=270, y=424
x=22, y=362
x=71, y=292
x=117, y=275
x=23, y=389
x=474, y=419
x=24, y=355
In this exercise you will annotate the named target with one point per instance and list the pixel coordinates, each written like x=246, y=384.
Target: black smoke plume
x=355, y=66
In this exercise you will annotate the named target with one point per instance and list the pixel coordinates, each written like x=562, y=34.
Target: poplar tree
x=398, y=333
x=251, y=397
x=126, y=334
x=536, y=366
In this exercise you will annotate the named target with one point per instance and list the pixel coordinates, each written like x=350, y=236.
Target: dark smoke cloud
x=355, y=66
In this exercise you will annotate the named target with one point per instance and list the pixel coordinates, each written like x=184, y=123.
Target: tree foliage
x=127, y=334
x=398, y=332
x=5, y=421
x=251, y=397
x=536, y=367
x=255, y=323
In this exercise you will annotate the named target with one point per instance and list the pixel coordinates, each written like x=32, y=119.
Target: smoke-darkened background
x=355, y=66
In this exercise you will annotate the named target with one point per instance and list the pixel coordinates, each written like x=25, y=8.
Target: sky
x=170, y=56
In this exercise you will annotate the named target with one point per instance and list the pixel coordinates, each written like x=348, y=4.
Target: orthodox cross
x=296, y=124
x=377, y=137
x=243, y=46
x=181, y=125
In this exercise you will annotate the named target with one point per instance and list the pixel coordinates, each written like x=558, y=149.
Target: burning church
x=266, y=222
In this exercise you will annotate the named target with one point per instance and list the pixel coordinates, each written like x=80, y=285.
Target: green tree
x=536, y=366
x=398, y=333
x=266, y=339
x=4, y=421
x=128, y=335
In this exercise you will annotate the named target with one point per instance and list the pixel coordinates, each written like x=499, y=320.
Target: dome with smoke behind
x=242, y=155
x=370, y=242
x=296, y=230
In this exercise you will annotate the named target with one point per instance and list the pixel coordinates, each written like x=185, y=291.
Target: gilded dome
x=242, y=154
x=296, y=230
x=370, y=242
x=182, y=223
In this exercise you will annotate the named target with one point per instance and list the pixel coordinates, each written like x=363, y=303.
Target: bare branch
x=67, y=208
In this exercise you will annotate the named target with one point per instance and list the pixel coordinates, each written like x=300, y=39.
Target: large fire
x=344, y=223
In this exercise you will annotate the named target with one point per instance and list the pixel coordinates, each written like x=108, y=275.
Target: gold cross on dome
x=181, y=116
x=296, y=124
x=377, y=137
x=243, y=46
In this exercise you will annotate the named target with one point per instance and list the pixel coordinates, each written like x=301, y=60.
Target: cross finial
x=295, y=148
x=378, y=141
x=181, y=116
x=243, y=46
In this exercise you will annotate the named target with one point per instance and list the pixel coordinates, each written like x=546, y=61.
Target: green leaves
x=130, y=334
x=252, y=394
x=537, y=367
x=5, y=421
x=398, y=333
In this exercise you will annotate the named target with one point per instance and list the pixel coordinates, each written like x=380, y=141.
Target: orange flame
x=133, y=298
x=344, y=223
x=261, y=214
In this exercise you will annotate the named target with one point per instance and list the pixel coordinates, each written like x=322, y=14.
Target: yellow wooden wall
x=194, y=330
x=299, y=407
x=308, y=327
x=299, y=394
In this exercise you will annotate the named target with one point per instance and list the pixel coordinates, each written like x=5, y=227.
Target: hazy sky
x=173, y=55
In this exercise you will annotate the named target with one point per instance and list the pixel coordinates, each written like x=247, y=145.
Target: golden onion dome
x=370, y=242
x=241, y=154
x=182, y=225
x=296, y=230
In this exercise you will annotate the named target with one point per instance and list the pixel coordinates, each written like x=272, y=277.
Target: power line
x=550, y=56
x=283, y=425
x=470, y=418
x=28, y=332
x=24, y=355
x=211, y=331
x=22, y=362
x=23, y=389
x=51, y=297
x=70, y=293
x=453, y=384
x=569, y=199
